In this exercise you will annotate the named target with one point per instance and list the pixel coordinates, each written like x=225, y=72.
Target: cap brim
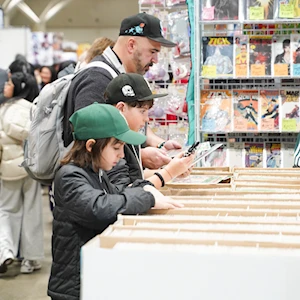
x=131, y=137
x=153, y=96
x=163, y=42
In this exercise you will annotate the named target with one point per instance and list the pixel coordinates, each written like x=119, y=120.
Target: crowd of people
x=116, y=164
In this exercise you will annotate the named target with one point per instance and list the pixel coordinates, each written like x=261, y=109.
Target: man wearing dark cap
x=136, y=49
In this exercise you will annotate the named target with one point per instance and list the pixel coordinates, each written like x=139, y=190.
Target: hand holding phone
x=192, y=149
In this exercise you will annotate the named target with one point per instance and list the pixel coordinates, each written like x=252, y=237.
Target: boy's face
x=111, y=154
x=136, y=116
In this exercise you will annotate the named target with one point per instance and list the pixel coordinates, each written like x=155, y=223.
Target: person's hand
x=186, y=173
x=180, y=165
x=162, y=201
x=153, y=158
x=167, y=203
x=170, y=145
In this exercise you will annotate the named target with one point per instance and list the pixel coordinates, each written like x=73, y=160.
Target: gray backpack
x=44, y=147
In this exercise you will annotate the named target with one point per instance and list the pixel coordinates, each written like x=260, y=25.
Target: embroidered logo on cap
x=128, y=91
x=136, y=29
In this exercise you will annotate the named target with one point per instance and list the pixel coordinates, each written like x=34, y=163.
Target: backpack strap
x=99, y=64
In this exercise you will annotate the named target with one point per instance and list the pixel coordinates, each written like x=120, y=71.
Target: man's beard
x=140, y=69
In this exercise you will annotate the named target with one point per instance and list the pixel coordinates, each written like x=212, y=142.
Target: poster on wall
x=58, y=38
x=42, y=49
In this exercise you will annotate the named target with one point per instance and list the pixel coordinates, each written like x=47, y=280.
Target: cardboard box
x=113, y=274
x=225, y=257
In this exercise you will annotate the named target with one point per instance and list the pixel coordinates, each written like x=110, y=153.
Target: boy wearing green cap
x=85, y=200
x=130, y=93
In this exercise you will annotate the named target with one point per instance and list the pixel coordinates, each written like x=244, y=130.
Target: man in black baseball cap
x=139, y=42
x=135, y=51
x=145, y=25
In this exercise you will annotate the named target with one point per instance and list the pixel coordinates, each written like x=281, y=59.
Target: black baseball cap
x=129, y=87
x=145, y=25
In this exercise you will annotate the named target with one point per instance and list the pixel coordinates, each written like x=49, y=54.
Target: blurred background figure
x=21, y=220
x=97, y=48
x=3, y=79
x=47, y=74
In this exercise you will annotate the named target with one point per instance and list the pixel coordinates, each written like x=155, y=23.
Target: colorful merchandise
x=217, y=56
x=290, y=111
x=253, y=155
x=245, y=110
x=215, y=110
x=260, y=54
x=269, y=110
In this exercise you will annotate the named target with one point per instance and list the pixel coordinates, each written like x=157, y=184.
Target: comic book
x=258, y=29
x=235, y=154
x=260, y=9
x=260, y=55
x=217, y=56
x=290, y=113
x=201, y=179
x=281, y=56
x=220, y=9
x=200, y=148
x=215, y=110
x=288, y=9
x=253, y=155
x=245, y=110
x=241, y=57
x=269, y=110
x=273, y=155
x=287, y=28
x=295, y=48
x=296, y=8
x=287, y=155
x=217, y=158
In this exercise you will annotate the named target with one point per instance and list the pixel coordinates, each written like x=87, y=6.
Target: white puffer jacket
x=14, y=128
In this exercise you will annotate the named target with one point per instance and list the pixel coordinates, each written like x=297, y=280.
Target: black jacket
x=85, y=204
x=128, y=169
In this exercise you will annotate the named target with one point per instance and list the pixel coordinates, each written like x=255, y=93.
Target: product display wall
x=169, y=116
x=247, y=81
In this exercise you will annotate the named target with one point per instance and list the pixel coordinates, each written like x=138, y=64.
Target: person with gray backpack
x=44, y=147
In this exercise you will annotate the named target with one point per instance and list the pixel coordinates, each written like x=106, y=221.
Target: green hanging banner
x=190, y=89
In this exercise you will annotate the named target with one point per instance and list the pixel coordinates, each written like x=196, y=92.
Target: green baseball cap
x=98, y=121
x=129, y=87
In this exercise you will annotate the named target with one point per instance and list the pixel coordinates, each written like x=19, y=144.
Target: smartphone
x=192, y=149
